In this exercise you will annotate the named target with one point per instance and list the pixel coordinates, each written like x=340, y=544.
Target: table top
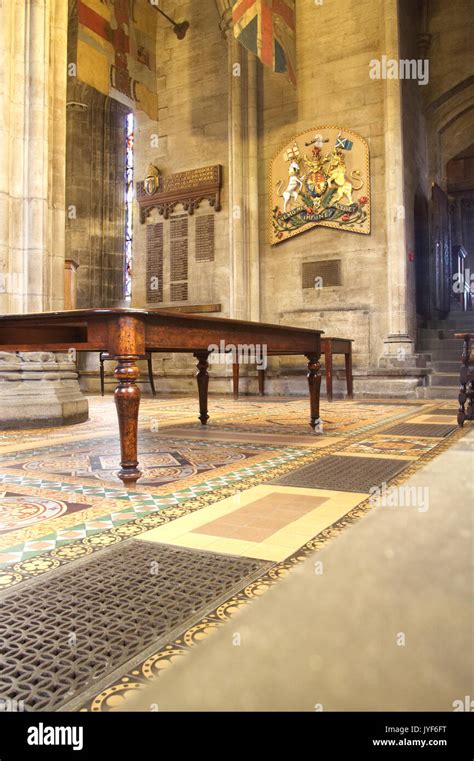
x=150, y=315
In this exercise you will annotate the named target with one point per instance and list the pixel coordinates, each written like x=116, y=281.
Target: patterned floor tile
x=264, y=522
x=19, y=511
x=421, y=430
x=380, y=444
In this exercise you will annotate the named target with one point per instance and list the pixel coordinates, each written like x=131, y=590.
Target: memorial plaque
x=154, y=263
x=179, y=257
x=179, y=292
x=205, y=243
x=179, y=226
x=322, y=274
x=189, y=188
x=179, y=260
x=191, y=179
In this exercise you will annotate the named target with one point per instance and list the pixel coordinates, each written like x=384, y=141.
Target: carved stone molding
x=225, y=12
x=39, y=389
x=424, y=43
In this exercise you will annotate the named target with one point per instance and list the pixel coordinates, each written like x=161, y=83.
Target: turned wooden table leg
x=235, y=379
x=464, y=381
x=127, y=402
x=102, y=373
x=314, y=383
x=202, y=376
x=349, y=378
x=261, y=382
x=328, y=367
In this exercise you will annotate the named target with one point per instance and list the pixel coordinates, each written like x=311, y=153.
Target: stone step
x=437, y=392
x=444, y=379
x=428, y=334
x=463, y=323
x=446, y=366
x=444, y=355
x=454, y=344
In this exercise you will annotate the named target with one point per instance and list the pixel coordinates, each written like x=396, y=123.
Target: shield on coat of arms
x=152, y=180
x=316, y=184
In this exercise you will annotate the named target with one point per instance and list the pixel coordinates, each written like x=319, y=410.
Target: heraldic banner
x=115, y=51
x=267, y=29
x=321, y=177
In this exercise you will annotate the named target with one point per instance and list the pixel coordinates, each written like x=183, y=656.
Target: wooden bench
x=329, y=346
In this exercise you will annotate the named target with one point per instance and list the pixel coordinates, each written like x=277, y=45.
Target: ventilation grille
x=324, y=274
x=63, y=635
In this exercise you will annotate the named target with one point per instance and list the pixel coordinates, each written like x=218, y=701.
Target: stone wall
x=449, y=97
x=191, y=132
x=208, y=115
x=95, y=168
x=334, y=88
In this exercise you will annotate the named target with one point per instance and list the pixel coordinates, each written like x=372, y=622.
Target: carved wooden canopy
x=188, y=188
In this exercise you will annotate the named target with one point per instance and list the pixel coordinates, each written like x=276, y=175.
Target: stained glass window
x=129, y=167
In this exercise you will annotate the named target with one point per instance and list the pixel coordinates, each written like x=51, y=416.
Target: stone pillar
x=33, y=70
x=244, y=262
x=398, y=343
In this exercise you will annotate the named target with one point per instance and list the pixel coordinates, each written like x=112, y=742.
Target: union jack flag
x=267, y=29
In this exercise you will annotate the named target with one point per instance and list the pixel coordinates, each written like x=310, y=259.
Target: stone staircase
x=445, y=351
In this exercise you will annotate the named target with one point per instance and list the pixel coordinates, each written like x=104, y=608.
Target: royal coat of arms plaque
x=321, y=177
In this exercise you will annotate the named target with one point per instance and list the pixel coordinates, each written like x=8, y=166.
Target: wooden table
x=329, y=346
x=128, y=334
x=466, y=379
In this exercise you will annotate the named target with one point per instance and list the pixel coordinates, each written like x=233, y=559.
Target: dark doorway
x=460, y=180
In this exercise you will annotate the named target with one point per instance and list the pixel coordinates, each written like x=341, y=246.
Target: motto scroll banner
x=321, y=177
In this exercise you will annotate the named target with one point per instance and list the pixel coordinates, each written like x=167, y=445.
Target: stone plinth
x=39, y=389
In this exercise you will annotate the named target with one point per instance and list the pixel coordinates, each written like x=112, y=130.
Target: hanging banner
x=268, y=29
x=320, y=177
x=116, y=42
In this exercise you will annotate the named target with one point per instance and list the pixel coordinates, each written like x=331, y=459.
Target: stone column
x=37, y=388
x=398, y=343
x=244, y=262
x=70, y=283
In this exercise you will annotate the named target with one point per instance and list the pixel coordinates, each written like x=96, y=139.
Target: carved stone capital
x=225, y=12
x=424, y=43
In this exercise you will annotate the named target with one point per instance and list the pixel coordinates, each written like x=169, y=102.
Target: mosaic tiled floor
x=255, y=485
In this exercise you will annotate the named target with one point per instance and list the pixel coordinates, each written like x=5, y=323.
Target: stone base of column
x=398, y=345
x=38, y=390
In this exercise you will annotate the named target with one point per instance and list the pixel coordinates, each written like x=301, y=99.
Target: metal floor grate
x=344, y=473
x=61, y=635
x=430, y=430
